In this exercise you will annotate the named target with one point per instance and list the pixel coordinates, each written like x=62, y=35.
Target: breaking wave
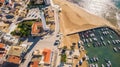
x=108, y=9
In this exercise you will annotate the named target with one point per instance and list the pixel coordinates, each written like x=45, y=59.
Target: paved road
x=45, y=43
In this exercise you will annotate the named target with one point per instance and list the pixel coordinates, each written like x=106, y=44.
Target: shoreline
x=116, y=22
x=79, y=15
x=75, y=18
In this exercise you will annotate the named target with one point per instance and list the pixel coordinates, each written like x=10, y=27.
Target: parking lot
x=102, y=46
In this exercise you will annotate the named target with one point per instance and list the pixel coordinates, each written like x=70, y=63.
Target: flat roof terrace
x=14, y=59
x=15, y=51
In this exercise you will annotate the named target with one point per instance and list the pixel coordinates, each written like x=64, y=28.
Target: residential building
x=36, y=28
x=37, y=55
x=2, y=53
x=69, y=60
x=49, y=13
x=34, y=64
x=14, y=56
x=15, y=51
x=10, y=40
x=76, y=52
x=23, y=13
x=41, y=58
x=14, y=59
x=1, y=2
x=36, y=13
x=47, y=56
x=3, y=26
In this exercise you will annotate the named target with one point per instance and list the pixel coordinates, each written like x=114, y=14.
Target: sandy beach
x=102, y=8
x=74, y=19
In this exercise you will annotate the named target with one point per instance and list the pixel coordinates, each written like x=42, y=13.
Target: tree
x=63, y=58
x=13, y=32
x=24, y=29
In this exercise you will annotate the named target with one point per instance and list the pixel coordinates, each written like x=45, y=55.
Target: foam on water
x=102, y=8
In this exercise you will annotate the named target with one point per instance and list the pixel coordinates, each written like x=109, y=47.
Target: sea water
x=117, y=3
x=108, y=9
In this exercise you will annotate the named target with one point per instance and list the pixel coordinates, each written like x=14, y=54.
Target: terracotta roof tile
x=1, y=45
x=2, y=1
x=35, y=26
x=34, y=64
x=14, y=59
x=47, y=55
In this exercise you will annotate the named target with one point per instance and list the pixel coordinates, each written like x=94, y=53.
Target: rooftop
x=2, y=50
x=2, y=1
x=15, y=50
x=11, y=39
x=14, y=59
x=2, y=24
x=37, y=52
x=34, y=64
x=2, y=45
x=47, y=55
x=69, y=61
x=37, y=55
x=35, y=26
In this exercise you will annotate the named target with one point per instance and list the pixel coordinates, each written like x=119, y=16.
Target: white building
x=10, y=40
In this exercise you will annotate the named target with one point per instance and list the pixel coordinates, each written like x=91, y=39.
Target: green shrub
x=24, y=29
x=63, y=58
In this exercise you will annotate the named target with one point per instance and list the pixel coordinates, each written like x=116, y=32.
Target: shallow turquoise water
x=117, y=3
